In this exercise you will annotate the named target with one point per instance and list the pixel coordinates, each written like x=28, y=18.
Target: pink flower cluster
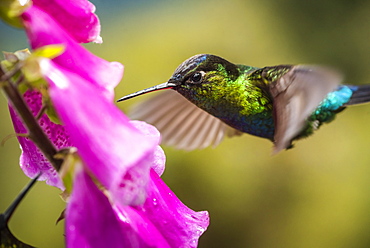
x=137, y=209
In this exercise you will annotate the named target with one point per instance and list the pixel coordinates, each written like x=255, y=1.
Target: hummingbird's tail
x=360, y=94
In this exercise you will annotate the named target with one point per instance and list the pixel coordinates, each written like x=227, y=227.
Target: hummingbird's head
x=194, y=74
x=200, y=76
x=200, y=69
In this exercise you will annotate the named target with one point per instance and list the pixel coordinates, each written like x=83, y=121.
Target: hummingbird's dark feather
x=204, y=62
x=182, y=124
x=296, y=95
x=361, y=94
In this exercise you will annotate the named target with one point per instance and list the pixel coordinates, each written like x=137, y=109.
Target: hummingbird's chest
x=242, y=106
x=259, y=123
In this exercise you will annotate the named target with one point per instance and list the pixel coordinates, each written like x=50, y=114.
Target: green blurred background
x=315, y=195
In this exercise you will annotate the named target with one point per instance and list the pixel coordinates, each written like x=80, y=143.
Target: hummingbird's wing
x=296, y=95
x=181, y=123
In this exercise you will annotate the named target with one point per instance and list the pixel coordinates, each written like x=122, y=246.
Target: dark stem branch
x=41, y=112
x=9, y=212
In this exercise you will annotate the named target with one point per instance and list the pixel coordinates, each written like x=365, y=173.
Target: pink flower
x=43, y=30
x=118, y=198
x=142, y=211
x=163, y=221
x=32, y=161
x=116, y=152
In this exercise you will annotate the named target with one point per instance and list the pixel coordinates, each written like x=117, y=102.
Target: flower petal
x=178, y=224
x=91, y=221
x=111, y=147
x=32, y=161
x=159, y=160
x=42, y=30
x=75, y=16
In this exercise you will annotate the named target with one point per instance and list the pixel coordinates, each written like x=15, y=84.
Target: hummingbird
x=211, y=98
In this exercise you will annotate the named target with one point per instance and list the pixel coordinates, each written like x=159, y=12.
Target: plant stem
x=10, y=210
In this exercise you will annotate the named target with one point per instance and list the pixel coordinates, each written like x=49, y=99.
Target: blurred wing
x=181, y=123
x=296, y=95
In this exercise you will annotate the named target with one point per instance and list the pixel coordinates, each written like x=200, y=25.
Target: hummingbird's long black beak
x=166, y=85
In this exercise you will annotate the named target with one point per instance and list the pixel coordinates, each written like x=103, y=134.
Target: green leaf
x=52, y=114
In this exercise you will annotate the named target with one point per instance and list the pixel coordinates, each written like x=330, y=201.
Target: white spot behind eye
x=197, y=77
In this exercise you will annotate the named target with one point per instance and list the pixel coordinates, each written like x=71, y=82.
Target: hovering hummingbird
x=281, y=103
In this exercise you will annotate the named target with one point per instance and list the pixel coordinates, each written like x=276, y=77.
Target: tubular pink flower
x=93, y=222
x=75, y=16
x=159, y=218
x=32, y=161
x=136, y=208
x=43, y=30
x=163, y=221
x=110, y=146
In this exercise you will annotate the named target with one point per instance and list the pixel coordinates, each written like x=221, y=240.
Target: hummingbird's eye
x=197, y=77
